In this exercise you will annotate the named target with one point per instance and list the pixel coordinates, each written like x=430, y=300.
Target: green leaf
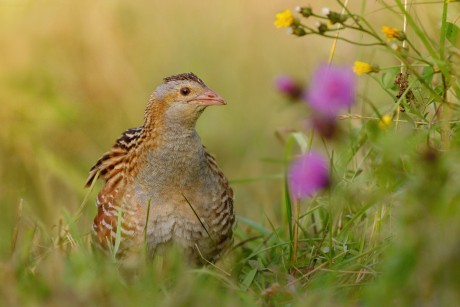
x=388, y=78
x=428, y=73
x=248, y=279
x=301, y=140
x=452, y=33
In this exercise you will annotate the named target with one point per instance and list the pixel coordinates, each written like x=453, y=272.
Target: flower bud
x=304, y=11
x=322, y=28
x=298, y=31
x=288, y=86
x=326, y=126
x=335, y=17
x=325, y=11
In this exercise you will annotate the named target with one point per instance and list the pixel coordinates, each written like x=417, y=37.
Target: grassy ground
x=75, y=75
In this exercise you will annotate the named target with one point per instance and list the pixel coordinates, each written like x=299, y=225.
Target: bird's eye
x=184, y=91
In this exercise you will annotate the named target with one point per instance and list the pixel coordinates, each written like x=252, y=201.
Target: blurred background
x=75, y=75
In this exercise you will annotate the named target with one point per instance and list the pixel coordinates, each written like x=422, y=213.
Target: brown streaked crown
x=184, y=77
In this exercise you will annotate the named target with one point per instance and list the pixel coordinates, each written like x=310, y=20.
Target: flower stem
x=334, y=43
x=403, y=66
x=444, y=114
x=295, y=224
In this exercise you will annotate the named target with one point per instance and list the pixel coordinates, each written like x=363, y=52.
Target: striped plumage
x=163, y=168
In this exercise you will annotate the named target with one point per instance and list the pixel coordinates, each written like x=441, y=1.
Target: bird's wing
x=227, y=195
x=111, y=165
x=224, y=215
x=215, y=168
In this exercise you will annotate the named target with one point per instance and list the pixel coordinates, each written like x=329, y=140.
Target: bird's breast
x=176, y=170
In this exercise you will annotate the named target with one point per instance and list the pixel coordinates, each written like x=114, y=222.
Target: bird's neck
x=175, y=131
x=172, y=153
x=165, y=119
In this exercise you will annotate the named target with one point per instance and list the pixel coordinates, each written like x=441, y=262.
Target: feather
x=111, y=165
x=184, y=77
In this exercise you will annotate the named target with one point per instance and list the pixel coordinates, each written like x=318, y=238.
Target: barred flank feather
x=111, y=163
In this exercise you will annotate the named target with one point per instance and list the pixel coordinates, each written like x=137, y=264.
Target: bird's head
x=180, y=100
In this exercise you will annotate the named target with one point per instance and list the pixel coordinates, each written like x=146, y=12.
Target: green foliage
x=452, y=33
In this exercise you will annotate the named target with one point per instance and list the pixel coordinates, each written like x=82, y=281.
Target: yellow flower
x=284, y=19
x=362, y=68
x=385, y=122
x=391, y=33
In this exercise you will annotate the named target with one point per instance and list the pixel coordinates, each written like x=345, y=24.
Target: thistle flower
x=308, y=174
x=364, y=68
x=326, y=126
x=430, y=155
x=288, y=86
x=284, y=19
x=331, y=89
x=391, y=33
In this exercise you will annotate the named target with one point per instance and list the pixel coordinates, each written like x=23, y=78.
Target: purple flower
x=307, y=175
x=287, y=85
x=331, y=89
x=325, y=125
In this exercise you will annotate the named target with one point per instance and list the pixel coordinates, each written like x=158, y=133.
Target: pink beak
x=210, y=98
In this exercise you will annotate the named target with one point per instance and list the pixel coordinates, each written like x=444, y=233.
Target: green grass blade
x=118, y=235
x=254, y=225
x=288, y=206
x=247, y=281
x=255, y=179
x=147, y=220
x=194, y=212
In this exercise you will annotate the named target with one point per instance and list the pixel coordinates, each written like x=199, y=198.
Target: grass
x=74, y=76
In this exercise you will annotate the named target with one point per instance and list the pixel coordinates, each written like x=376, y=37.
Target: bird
x=162, y=187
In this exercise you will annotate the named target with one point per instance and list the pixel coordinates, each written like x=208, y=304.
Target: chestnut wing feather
x=111, y=163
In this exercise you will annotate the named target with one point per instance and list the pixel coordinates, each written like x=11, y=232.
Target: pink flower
x=331, y=89
x=325, y=125
x=307, y=175
x=287, y=85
